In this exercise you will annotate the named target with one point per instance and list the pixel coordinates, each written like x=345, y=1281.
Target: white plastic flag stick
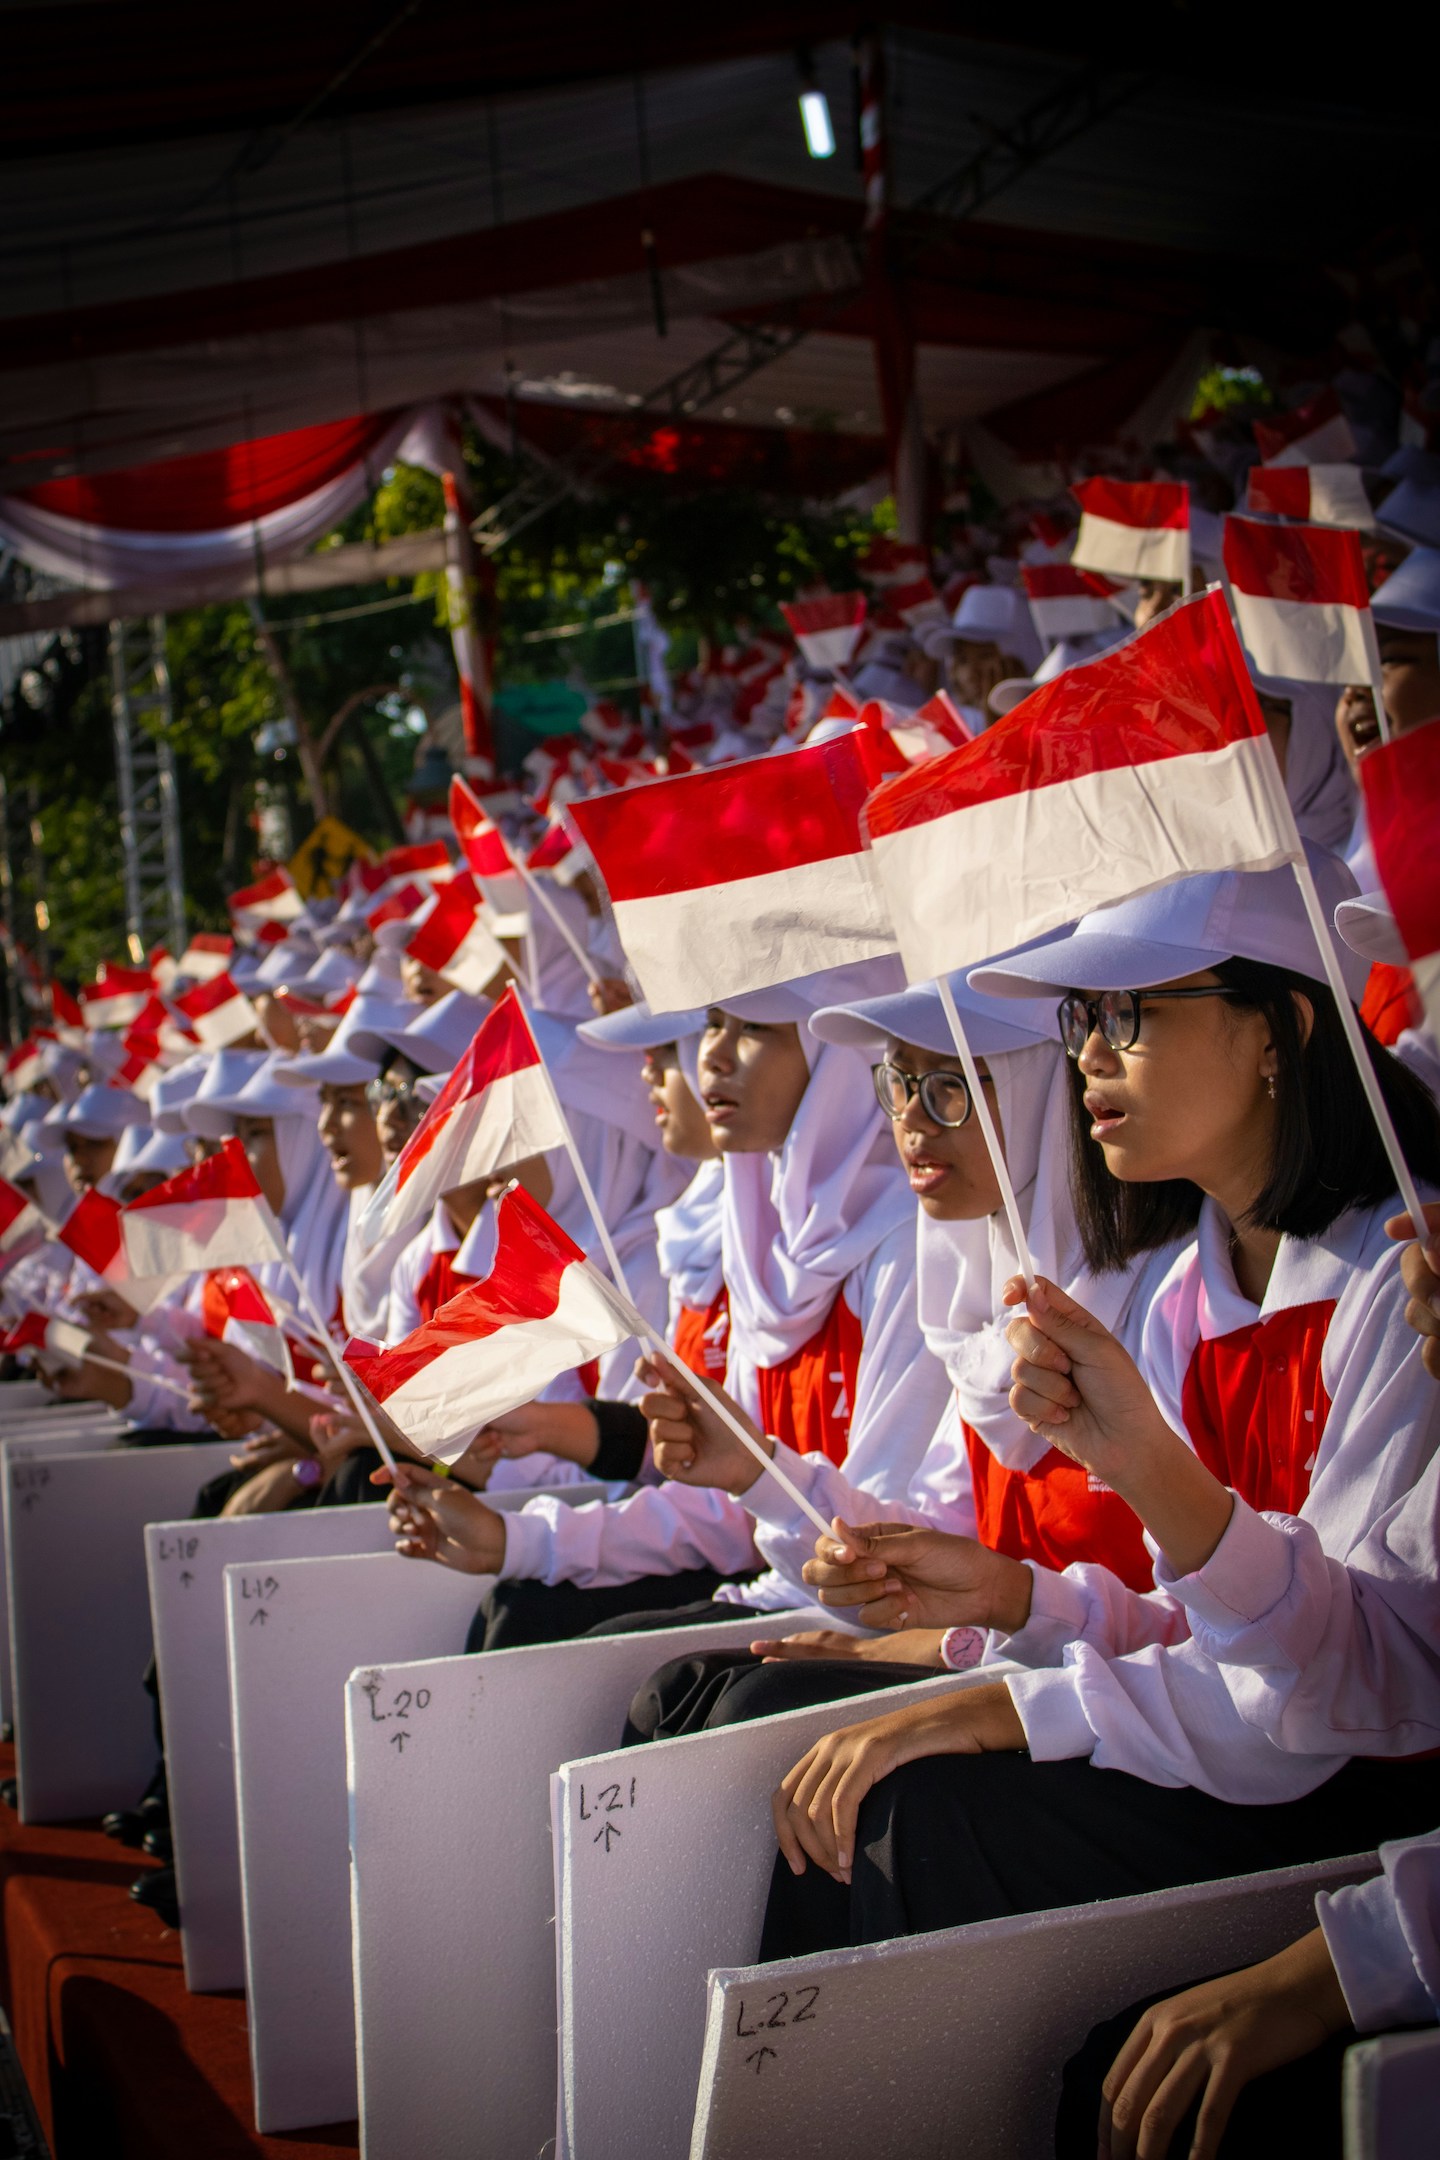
x=987, y=1127
x=347, y=1378
x=602, y=1229
x=537, y=892
x=728, y=1418
x=1349, y=1020
x=1377, y=673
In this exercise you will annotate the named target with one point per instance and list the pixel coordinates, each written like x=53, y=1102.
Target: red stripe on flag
x=481, y=842
x=421, y=856
x=1279, y=490
x=63, y=1008
x=1062, y=581
x=503, y=1044
x=275, y=887
x=1317, y=563
x=531, y=1255
x=1400, y=782
x=1150, y=505
x=1273, y=436
x=233, y=1294
x=13, y=1204
x=832, y=611
x=1182, y=687
x=397, y=907
x=446, y=927
x=92, y=1230
x=206, y=997
x=225, y=1175
x=738, y=821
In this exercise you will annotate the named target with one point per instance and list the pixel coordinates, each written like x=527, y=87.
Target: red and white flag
x=496, y=1108
x=1400, y=783
x=273, y=900
x=888, y=562
x=22, y=1065
x=143, y=1065
x=1317, y=434
x=211, y=1215
x=416, y=858
x=396, y=903
x=22, y=1226
x=746, y=875
x=235, y=1309
x=916, y=602
x=450, y=939
x=541, y=1310
x=1148, y=764
x=117, y=997
x=219, y=1012
x=207, y=955
x=1066, y=602
x=1315, y=494
x=57, y=1343
x=1302, y=600
x=556, y=852
x=1134, y=529
x=487, y=851
x=827, y=630
x=65, y=1012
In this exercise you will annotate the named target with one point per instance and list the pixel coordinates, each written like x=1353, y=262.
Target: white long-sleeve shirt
x=1384, y=1937
x=1307, y=1637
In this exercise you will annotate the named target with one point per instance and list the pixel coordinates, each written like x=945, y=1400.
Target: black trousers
x=1293, y=2109
x=955, y=1838
x=729, y=1687
x=520, y=1613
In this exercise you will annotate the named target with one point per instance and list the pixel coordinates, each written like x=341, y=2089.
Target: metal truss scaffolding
x=149, y=803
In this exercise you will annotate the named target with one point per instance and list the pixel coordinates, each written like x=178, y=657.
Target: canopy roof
x=265, y=217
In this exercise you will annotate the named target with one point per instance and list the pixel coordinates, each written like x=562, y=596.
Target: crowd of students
x=1179, y=1489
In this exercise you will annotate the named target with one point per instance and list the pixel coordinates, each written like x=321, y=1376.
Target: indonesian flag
x=219, y=1012
x=556, y=851
x=208, y=954
x=916, y=602
x=22, y=1066
x=235, y=1309
x=1066, y=602
x=422, y=858
x=810, y=703
x=142, y=1066
x=1400, y=782
x=399, y=902
x=59, y=1341
x=211, y=1215
x=542, y=1310
x=65, y=1011
x=272, y=901
x=496, y=1108
x=827, y=630
x=486, y=850
x=22, y=1226
x=746, y=875
x=1147, y=764
x=1302, y=601
x=887, y=563
x=117, y=997
x=1317, y=434
x=451, y=939
x=931, y=730
x=1134, y=529
x=1315, y=494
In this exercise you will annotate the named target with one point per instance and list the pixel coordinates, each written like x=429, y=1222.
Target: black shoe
x=158, y=1843
x=131, y=1825
x=10, y=1792
x=157, y=1892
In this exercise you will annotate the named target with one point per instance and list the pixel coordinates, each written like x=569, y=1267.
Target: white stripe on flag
x=1338, y=497
x=1318, y=641
x=514, y=1118
x=195, y=1235
x=443, y=1406
x=1426, y=974
x=716, y=941
x=1072, y=615
x=1001, y=872
x=1131, y=551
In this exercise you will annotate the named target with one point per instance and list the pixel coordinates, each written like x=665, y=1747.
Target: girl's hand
x=434, y=1519
x=688, y=1442
x=817, y=1806
x=1210, y=2042
x=893, y=1575
x=1076, y=1386
x=1420, y=1269
x=916, y=1646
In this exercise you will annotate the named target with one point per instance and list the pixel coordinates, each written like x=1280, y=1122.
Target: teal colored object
x=551, y=708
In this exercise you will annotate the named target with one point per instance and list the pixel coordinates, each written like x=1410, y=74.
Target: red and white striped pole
x=472, y=661
x=893, y=337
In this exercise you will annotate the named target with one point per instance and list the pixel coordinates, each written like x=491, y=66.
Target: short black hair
x=1328, y=1155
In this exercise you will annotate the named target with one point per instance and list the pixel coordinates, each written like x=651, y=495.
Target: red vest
x=807, y=1400
x=439, y=1283
x=1255, y=1405
x=1056, y=1513
x=1390, y=1004
x=702, y=1336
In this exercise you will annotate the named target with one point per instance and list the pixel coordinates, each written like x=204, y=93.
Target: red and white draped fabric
x=270, y=498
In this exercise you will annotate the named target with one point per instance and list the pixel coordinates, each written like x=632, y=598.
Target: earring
x=1270, y=1085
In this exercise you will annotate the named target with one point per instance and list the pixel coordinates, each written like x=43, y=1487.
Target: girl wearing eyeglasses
x=1230, y=1719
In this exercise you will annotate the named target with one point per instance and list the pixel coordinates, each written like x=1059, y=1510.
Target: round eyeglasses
x=1116, y=1013
x=380, y=1092
x=944, y=1096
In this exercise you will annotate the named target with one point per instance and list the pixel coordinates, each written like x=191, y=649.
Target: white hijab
x=1318, y=780
x=964, y=1266
x=797, y=1224
x=688, y=1239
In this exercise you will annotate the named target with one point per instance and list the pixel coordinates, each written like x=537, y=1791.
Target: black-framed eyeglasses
x=1116, y=1013
x=944, y=1096
x=380, y=1092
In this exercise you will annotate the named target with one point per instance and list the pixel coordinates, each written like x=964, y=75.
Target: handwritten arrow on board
x=757, y=2056
x=261, y=1615
x=397, y=1741
x=607, y=1831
